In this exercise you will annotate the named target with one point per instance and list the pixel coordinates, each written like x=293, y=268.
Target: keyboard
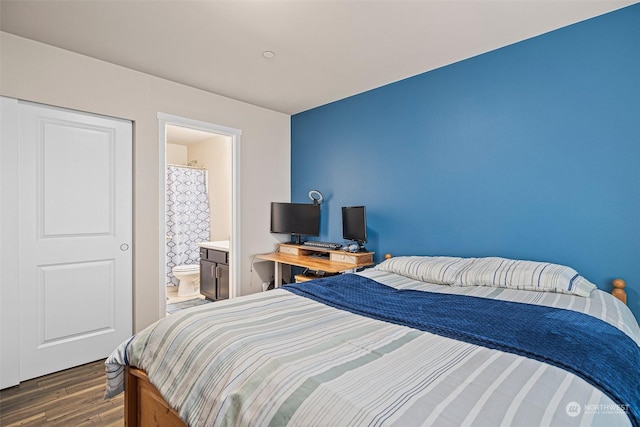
x=323, y=245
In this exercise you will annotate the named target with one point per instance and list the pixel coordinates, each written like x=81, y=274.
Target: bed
x=438, y=341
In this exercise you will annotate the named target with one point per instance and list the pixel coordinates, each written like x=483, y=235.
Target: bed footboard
x=143, y=404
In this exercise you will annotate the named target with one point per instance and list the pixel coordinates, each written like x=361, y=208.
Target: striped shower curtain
x=188, y=217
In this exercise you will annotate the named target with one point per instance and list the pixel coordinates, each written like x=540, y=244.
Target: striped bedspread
x=275, y=358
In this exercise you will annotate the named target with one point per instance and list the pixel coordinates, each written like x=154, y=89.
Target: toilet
x=189, y=277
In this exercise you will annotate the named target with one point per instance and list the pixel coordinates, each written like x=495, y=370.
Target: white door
x=75, y=214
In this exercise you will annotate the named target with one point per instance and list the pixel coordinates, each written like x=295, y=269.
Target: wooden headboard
x=618, y=290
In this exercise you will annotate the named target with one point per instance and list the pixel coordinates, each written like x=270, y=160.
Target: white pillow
x=527, y=275
x=441, y=270
x=491, y=271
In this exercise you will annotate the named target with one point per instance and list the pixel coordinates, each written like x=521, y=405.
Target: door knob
x=124, y=247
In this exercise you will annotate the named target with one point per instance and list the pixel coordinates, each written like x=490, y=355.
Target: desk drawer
x=289, y=250
x=352, y=258
x=344, y=257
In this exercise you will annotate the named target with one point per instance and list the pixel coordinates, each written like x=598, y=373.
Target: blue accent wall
x=530, y=151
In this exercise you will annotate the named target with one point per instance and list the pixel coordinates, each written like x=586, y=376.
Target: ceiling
x=324, y=50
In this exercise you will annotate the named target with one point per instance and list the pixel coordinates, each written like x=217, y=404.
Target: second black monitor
x=354, y=224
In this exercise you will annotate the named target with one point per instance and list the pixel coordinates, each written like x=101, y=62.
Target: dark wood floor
x=71, y=398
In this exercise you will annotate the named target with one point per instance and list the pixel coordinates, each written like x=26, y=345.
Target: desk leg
x=278, y=274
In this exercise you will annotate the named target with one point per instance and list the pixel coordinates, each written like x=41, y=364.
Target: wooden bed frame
x=143, y=404
x=145, y=407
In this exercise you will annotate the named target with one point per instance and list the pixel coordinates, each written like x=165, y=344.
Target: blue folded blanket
x=592, y=349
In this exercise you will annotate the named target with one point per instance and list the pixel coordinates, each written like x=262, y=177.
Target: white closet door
x=75, y=207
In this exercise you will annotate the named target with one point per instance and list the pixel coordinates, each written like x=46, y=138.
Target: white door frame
x=9, y=244
x=234, y=248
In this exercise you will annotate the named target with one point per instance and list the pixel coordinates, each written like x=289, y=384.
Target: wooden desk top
x=307, y=261
x=303, y=257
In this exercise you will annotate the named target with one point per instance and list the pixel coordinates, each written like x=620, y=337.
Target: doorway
x=213, y=149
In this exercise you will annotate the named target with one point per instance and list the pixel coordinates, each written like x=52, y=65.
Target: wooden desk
x=304, y=256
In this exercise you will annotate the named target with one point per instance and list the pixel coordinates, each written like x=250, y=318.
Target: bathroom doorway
x=199, y=166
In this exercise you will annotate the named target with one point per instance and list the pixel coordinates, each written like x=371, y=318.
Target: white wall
x=41, y=73
x=176, y=154
x=215, y=155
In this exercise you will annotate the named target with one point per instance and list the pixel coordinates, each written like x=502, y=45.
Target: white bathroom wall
x=176, y=154
x=42, y=73
x=215, y=155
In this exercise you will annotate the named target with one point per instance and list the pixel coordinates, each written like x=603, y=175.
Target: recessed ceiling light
x=268, y=54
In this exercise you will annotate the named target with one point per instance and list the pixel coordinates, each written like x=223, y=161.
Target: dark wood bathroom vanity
x=214, y=270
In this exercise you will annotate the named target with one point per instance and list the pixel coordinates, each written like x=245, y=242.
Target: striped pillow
x=527, y=275
x=440, y=270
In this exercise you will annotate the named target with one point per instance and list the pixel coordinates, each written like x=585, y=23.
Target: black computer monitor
x=297, y=219
x=354, y=225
